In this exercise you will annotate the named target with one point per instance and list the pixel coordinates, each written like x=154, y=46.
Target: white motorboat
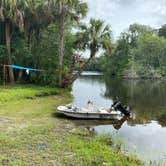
x=89, y=113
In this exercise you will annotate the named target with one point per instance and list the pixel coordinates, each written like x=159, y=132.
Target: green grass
x=27, y=91
x=32, y=134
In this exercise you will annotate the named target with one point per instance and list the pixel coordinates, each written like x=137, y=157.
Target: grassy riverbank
x=32, y=134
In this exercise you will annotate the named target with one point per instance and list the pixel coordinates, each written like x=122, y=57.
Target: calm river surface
x=145, y=134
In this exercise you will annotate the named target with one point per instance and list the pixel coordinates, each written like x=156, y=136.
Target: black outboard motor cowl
x=117, y=105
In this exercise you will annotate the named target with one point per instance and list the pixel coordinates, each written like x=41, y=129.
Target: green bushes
x=139, y=53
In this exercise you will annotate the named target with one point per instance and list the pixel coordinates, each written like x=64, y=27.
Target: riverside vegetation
x=39, y=34
x=139, y=52
x=32, y=133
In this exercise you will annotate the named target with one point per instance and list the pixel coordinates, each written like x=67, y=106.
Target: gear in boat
x=117, y=106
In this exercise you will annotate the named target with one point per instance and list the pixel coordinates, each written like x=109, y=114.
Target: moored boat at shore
x=116, y=111
x=89, y=113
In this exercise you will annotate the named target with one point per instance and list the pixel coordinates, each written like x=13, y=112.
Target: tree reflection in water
x=146, y=98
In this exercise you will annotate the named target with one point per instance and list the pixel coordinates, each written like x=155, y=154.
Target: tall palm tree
x=36, y=19
x=63, y=10
x=94, y=37
x=12, y=14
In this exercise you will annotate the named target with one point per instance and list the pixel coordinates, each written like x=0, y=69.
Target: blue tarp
x=23, y=68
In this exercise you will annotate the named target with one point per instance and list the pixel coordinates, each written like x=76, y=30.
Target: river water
x=145, y=133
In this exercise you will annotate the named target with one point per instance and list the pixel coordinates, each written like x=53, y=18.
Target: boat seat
x=84, y=110
x=103, y=111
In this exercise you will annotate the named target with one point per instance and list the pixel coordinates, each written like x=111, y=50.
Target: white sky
x=119, y=14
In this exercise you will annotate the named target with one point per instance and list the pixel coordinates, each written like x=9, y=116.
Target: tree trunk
x=29, y=32
x=69, y=74
x=8, y=46
x=75, y=76
x=81, y=70
x=20, y=75
x=61, y=46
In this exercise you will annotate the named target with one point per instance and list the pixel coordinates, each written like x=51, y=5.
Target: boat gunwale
x=94, y=113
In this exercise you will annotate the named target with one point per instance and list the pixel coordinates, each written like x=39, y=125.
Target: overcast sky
x=119, y=14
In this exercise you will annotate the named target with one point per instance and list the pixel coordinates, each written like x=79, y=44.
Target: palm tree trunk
x=75, y=76
x=69, y=74
x=81, y=70
x=8, y=45
x=61, y=48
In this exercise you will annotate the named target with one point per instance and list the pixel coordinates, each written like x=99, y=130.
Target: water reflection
x=90, y=88
x=144, y=134
x=117, y=124
x=147, y=98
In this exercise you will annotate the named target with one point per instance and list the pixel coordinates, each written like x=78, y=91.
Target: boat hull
x=92, y=115
x=89, y=114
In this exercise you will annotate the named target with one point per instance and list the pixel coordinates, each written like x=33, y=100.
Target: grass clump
x=97, y=150
x=26, y=91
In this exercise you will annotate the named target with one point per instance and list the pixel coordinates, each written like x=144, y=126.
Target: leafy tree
x=162, y=31
x=64, y=10
x=46, y=55
x=139, y=52
x=118, y=61
x=149, y=56
x=98, y=64
x=94, y=37
x=11, y=15
x=138, y=29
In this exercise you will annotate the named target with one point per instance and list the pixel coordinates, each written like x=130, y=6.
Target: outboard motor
x=117, y=105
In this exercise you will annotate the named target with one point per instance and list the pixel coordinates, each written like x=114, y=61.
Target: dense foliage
x=98, y=64
x=138, y=53
x=48, y=34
